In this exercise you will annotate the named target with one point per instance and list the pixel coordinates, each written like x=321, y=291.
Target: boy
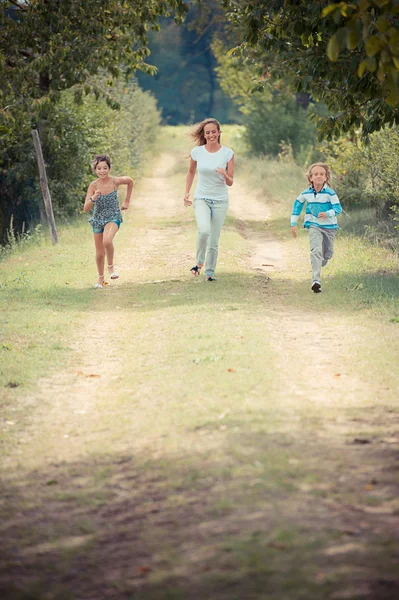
x=322, y=208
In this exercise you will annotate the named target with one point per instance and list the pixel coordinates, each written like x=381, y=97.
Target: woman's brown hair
x=198, y=131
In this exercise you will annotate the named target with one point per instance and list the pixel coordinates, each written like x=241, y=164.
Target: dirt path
x=89, y=477
x=297, y=333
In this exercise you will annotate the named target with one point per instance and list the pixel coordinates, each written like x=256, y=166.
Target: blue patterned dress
x=106, y=209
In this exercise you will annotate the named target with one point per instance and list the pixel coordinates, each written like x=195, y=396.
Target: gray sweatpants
x=321, y=249
x=210, y=216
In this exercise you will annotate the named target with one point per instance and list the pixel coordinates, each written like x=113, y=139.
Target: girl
x=102, y=194
x=215, y=172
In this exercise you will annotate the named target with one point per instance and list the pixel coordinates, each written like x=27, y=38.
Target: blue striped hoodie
x=316, y=202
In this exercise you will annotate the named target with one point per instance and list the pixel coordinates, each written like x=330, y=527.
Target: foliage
x=49, y=46
x=343, y=54
x=71, y=134
x=186, y=67
x=272, y=115
x=271, y=123
x=46, y=48
x=366, y=174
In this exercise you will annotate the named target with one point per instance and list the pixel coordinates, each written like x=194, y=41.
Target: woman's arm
x=129, y=182
x=228, y=173
x=91, y=197
x=189, y=181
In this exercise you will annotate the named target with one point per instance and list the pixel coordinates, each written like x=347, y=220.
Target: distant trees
x=185, y=84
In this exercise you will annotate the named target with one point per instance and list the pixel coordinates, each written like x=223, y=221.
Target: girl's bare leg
x=110, y=230
x=100, y=255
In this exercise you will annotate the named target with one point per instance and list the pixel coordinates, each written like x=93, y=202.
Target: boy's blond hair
x=325, y=167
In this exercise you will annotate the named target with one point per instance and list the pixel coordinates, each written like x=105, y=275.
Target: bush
x=365, y=175
x=271, y=122
x=71, y=134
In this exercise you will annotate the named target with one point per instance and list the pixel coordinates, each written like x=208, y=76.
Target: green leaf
x=333, y=49
x=382, y=23
x=364, y=4
x=353, y=38
x=371, y=62
x=329, y=9
x=362, y=68
x=393, y=98
x=336, y=43
x=381, y=73
x=373, y=45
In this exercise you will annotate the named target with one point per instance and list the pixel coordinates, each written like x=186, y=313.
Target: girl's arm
x=129, y=182
x=91, y=197
x=228, y=173
x=189, y=181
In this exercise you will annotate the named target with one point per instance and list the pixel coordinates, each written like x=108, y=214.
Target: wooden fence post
x=44, y=186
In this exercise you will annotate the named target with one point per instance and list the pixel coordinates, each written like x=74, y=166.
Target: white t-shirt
x=211, y=184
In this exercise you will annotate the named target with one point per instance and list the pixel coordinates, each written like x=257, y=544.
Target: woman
x=215, y=165
x=102, y=194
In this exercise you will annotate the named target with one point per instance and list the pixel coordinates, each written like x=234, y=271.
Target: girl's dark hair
x=198, y=131
x=100, y=158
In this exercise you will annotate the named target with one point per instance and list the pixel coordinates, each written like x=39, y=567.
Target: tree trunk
x=212, y=81
x=44, y=186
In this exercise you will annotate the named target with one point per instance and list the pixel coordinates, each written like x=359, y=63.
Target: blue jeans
x=210, y=216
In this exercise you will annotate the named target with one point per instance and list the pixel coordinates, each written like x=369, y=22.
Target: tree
x=186, y=66
x=47, y=46
x=343, y=54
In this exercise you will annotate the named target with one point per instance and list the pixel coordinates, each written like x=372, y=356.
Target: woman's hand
x=125, y=205
x=96, y=195
x=228, y=179
x=187, y=201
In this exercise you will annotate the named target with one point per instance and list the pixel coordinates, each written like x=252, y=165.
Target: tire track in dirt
x=71, y=395
x=308, y=352
x=312, y=349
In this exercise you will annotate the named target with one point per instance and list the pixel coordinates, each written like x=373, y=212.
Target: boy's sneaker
x=324, y=262
x=316, y=287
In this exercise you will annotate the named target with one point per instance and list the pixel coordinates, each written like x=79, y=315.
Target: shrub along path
x=230, y=440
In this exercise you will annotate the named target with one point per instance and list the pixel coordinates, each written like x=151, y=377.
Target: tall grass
x=17, y=242
x=363, y=274
x=43, y=293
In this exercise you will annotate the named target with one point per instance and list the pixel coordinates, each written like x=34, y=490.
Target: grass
x=362, y=275
x=42, y=298
x=201, y=461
